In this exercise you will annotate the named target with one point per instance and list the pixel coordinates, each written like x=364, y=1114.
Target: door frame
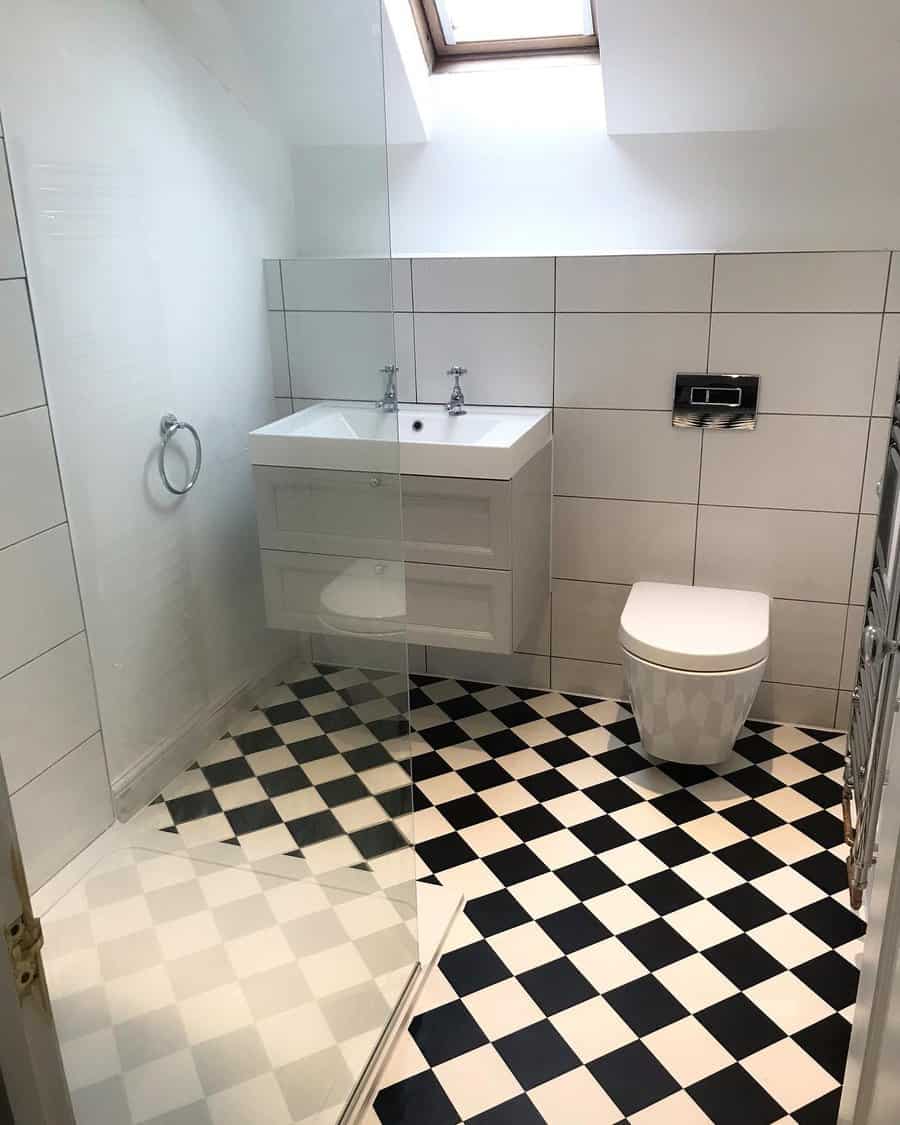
x=30, y=1057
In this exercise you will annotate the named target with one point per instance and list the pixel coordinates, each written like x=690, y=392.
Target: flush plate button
x=718, y=401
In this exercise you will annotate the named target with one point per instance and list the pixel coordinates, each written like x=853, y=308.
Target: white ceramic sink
x=488, y=442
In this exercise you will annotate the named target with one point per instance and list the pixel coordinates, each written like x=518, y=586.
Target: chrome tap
x=457, y=403
x=388, y=401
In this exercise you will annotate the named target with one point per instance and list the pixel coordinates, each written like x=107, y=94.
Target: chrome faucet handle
x=457, y=403
x=388, y=401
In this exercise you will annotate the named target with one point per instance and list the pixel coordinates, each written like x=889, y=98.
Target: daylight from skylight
x=471, y=21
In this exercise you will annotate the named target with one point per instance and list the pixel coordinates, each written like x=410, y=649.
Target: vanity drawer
x=459, y=607
x=460, y=522
x=328, y=511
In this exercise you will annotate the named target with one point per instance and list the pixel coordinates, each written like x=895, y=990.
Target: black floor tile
x=255, y=740
x=401, y=802
x=515, y=865
x=251, y=818
x=686, y=774
x=825, y=870
x=342, y=790
x=757, y=749
x=624, y=760
x=425, y=766
x=286, y=712
x=379, y=839
x=556, y=986
x=752, y=818
x=821, y=790
x=633, y=1078
x=484, y=775
x=516, y=714
x=463, y=812
x=560, y=752
x=367, y=757
x=193, y=806
x=749, y=859
x=741, y=1027
x=645, y=1005
x=602, y=834
x=279, y=782
x=743, y=961
x=463, y=707
x=442, y=735
x=232, y=769
x=545, y=786
x=519, y=1111
x=573, y=928
x=833, y=923
x=826, y=829
x=626, y=730
x=823, y=1111
x=493, y=913
x=680, y=806
x=532, y=822
x=666, y=891
x=359, y=693
x=500, y=743
x=828, y=1042
x=613, y=795
x=588, y=877
x=446, y=1032
x=720, y=1095
x=746, y=906
x=832, y=977
x=821, y=758
x=573, y=722
x=754, y=781
x=536, y=1054
x=674, y=846
x=445, y=851
x=386, y=729
x=315, y=685
x=656, y=944
x=419, y=1100
x=314, y=829
x=473, y=967
x=312, y=749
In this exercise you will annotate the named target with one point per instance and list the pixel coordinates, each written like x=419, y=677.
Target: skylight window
x=506, y=27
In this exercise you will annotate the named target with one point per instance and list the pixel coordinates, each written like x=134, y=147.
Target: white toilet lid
x=695, y=628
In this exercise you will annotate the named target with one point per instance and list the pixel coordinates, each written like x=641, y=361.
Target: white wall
x=149, y=195
x=49, y=726
x=519, y=162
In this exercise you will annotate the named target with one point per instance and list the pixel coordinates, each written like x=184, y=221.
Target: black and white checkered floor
x=656, y=944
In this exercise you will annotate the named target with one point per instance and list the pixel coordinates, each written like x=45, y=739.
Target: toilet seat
x=695, y=628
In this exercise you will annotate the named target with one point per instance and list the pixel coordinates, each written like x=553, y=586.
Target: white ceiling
x=721, y=65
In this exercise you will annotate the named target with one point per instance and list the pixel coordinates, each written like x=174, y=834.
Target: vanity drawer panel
x=460, y=522
x=328, y=511
x=459, y=607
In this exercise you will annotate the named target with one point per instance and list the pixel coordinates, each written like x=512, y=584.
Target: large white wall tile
x=626, y=360
x=810, y=363
x=10, y=254
x=862, y=559
x=48, y=708
x=39, y=604
x=338, y=284
x=30, y=495
x=888, y=363
x=586, y=620
x=20, y=386
x=483, y=284
x=623, y=540
x=634, y=283
x=588, y=677
x=783, y=554
x=806, y=641
x=492, y=668
x=830, y=282
x=340, y=355
x=856, y=618
x=509, y=357
x=272, y=278
x=281, y=376
x=792, y=461
x=405, y=356
x=790, y=703
x=893, y=293
x=879, y=430
x=47, y=803
x=625, y=455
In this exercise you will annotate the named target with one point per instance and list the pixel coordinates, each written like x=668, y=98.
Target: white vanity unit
x=412, y=524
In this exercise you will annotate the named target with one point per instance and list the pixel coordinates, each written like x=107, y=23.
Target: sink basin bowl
x=489, y=442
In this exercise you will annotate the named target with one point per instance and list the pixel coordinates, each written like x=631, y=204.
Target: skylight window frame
x=431, y=29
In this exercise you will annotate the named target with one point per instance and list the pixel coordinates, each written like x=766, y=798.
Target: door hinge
x=24, y=941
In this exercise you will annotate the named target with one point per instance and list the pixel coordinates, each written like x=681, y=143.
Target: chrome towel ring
x=168, y=427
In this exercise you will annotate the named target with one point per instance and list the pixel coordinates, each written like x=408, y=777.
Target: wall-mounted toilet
x=694, y=658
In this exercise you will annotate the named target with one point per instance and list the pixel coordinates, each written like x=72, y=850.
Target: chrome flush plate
x=717, y=401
